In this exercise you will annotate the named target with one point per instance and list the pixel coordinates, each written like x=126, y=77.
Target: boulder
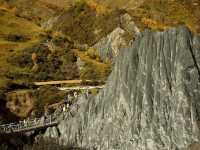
x=151, y=100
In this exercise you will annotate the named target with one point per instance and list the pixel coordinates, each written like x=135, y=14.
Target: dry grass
x=160, y=15
x=10, y=24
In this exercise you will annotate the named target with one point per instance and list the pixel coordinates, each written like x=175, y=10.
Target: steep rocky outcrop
x=127, y=23
x=108, y=47
x=151, y=100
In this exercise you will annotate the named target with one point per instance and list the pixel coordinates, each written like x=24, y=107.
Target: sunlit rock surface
x=51, y=133
x=109, y=46
x=151, y=100
x=127, y=23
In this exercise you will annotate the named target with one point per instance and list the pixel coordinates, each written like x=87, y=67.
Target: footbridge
x=44, y=121
x=30, y=124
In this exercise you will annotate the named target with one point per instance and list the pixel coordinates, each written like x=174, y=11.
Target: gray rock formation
x=151, y=100
x=109, y=46
x=52, y=133
x=129, y=25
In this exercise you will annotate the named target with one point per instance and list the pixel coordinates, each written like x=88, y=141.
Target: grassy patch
x=37, y=11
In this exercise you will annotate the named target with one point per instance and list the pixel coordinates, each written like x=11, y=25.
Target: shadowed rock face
x=151, y=99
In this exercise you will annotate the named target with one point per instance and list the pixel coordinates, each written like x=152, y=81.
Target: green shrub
x=80, y=6
x=17, y=38
x=47, y=65
x=46, y=95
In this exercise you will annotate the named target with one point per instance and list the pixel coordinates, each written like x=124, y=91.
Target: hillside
x=34, y=10
x=151, y=71
x=43, y=40
x=87, y=22
x=60, y=3
x=160, y=15
x=32, y=53
x=81, y=22
x=16, y=33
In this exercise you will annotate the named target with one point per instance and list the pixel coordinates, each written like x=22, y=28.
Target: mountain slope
x=34, y=10
x=16, y=34
x=87, y=22
x=160, y=15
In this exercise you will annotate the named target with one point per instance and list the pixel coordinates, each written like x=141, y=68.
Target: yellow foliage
x=99, y=8
x=162, y=14
x=91, y=52
x=34, y=57
x=153, y=24
x=57, y=34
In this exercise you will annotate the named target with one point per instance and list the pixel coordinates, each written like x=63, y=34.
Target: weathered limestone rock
x=109, y=46
x=129, y=25
x=151, y=100
x=52, y=133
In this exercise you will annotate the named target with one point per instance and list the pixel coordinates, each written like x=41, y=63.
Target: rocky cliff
x=108, y=47
x=151, y=100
